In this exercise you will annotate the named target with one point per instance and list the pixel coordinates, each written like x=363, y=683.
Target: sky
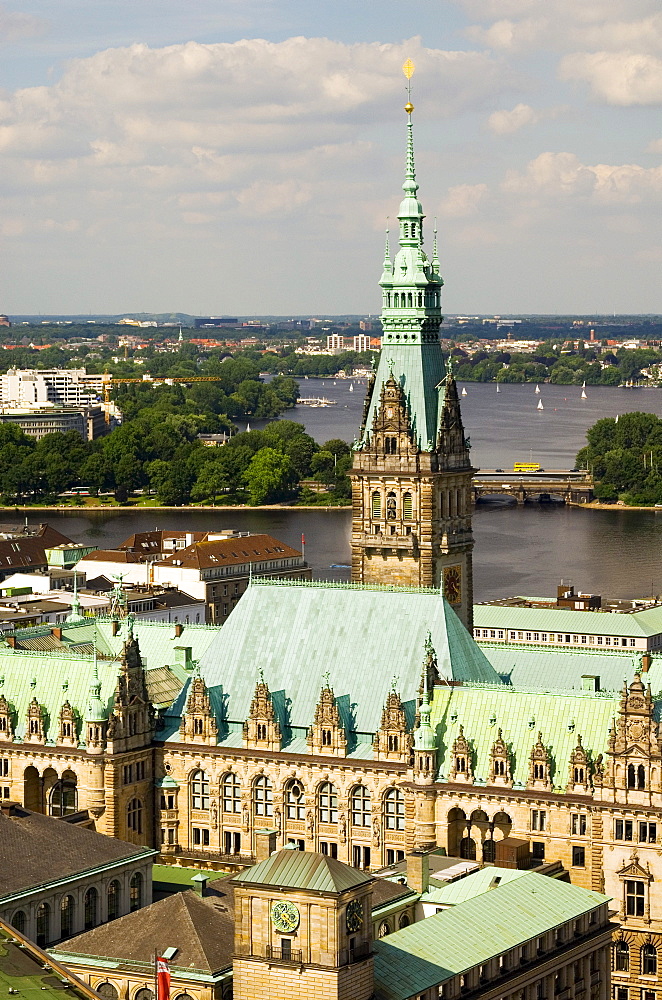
x=244, y=157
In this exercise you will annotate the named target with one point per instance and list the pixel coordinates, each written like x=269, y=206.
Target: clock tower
x=303, y=928
x=411, y=475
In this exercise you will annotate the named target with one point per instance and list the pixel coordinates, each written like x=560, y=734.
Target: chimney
x=116, y=627
x=57, y=633
x=200, y=883
x=418, y=871
x=265, y=844
x=8, y=808
x=646, y=660
x=179, y=628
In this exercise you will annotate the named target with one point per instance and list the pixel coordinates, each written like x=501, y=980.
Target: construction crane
x=108, y=381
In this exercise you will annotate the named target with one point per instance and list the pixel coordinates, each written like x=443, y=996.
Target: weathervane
x=408, y=69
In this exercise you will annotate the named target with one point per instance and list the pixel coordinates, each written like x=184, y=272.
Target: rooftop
x=303, y=870
x=38, y=850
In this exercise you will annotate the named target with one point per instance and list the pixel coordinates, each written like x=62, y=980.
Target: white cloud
x=463, y=200
x=655, y=146
x=619, y=78
x=562, y=177
x=507, y=122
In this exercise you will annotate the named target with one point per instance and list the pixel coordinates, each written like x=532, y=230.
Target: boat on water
x=351, y=387
x=540, y=406
x=315, y=401
x=464, y=390
x=498, y=390
x=537, y=388
x=583, y=395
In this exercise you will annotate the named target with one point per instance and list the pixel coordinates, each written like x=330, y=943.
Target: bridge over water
x=553, y=485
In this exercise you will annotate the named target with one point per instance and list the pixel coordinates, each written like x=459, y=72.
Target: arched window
x=622, y=956
x=67, y=912
x=295, y=802
x=641, y=776
x=489, y=852
x=231, y=793
x=114, y=891
x=539, y=772
x=394, y=809
x=468, y=848
x=391, y=507
x=579, y=775
x=43, y=924
x=499, y=767
x=62, y=800
x=91, y=908
x=632, y=781
x=134, y=816
x=327, y=803
x=649, y=960
x=199, y=790
x=136, y=891
x=107, y=991
x=384, y=929
x=262, y=797
x=18, y=921
x=144, y=993
x=376, y=505
x=404, y=921
x=407, y=507
x=360, y=805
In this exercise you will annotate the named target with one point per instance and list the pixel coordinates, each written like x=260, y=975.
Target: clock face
x=453, y=584
x=285, y=916
x=354, y=916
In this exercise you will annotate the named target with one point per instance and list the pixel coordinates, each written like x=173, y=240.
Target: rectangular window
x=536, y=636
x=128, y=774
x=591, y=640
x=543, y=637
x=575, y=638
x=512, y=635
x=200, y=837
x=632, y=642
x=520, y=635
x=634, y=898
x=578, y=857
x=607, y=640
x=360, y=856
x=528, y=637
x=392, y=857
x=599, y=640
x=538, y=850
x=584, y=639
x=140, y=770
x=647, y=833
x=4, y=767
x=623, y=829
x=538, y=819
x=492, y=633
x=329, y=848
x=578, y=824
x=500, y=635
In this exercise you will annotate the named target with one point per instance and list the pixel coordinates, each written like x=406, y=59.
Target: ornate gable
x=67, y=726
x=392, y=741
x=633, y=869
x=35, y=723
x=500, y=768
x=452, y=446
x=262, y=729
x=634, y=761
x=326, y=735
x=6, y=720
x=391, y=427
x=198, y=721
x=579, y=777
x=539, y=765
x=131, y=723
x=461, y=760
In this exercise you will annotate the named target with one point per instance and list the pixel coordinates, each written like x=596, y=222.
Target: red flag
x=162, y=979
x=303, y=538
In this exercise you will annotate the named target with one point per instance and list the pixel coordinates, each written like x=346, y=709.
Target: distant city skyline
x=242, y=158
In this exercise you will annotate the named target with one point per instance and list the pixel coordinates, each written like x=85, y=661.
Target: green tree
x=269, y=477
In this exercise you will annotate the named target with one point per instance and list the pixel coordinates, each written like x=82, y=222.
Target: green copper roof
x=562, y=668
x=458, y=939
x=471, y=885
x=420, y=370
x=304, y=870
x=360, y=636
x=561, y=718
x=639, y=624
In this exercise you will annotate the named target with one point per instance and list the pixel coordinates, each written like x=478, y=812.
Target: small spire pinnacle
x=388, y=264
x=410, y=186
x=435, y=251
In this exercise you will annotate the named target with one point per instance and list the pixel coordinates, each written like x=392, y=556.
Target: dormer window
x=261, y=731
x=460, y=763
x=326, y=738
x=393, y=743
x=197, y=727
x=636, y=776
x=539, y=772
x=390, y=445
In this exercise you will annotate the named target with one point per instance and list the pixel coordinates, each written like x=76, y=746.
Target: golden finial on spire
x=408, y=69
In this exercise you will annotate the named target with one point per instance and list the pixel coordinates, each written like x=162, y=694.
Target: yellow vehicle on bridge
x=527, y=467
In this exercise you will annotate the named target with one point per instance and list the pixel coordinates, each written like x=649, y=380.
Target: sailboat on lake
x=537, y=388
x=540, y=406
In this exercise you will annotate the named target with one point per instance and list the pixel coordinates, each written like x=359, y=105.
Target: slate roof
x=419, y=369
x=560, y=717
x=483, y=880
x=201, y=928
x=303, y=870
x=361, y=635
x=449, y=943
x=38, y=850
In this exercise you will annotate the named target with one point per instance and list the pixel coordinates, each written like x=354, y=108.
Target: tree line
x=624, y=454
